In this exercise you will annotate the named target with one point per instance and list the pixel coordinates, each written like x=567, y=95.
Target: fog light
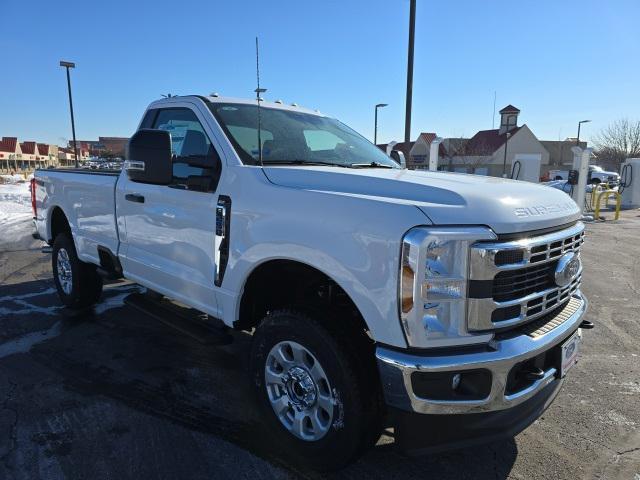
x=455, y=381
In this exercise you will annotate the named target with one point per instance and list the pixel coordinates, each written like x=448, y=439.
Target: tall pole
x=375, y=126
x=412, y=31
x=578, y=137
x=504, y=163
x=67, y=66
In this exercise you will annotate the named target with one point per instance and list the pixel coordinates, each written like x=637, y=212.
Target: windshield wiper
x=304, y=162
x=370, y=165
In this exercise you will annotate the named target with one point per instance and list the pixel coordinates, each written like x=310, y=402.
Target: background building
x=415, y=153
x=103, y=147
x=484, y=152
x=560, y=154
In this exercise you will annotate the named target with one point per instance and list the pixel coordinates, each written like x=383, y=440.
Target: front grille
x=505, y=257
x=512, y=283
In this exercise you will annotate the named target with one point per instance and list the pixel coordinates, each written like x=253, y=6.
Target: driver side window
x=196, y=164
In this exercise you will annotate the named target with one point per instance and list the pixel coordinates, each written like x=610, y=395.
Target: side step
x=189, y=321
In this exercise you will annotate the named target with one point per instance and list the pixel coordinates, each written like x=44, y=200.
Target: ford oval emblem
x=567, y=269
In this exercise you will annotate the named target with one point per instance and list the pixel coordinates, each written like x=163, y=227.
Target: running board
x=189, y=321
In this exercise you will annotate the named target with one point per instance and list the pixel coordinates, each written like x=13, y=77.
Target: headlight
x=433, y=285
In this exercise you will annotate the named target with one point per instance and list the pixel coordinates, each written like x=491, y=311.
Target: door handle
x=134, y=197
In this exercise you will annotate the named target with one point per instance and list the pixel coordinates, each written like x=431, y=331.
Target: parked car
x=445, y=305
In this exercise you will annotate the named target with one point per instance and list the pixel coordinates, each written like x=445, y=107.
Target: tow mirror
x=149, y=158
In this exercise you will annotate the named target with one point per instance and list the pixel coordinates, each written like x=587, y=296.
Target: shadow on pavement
x=116, y=353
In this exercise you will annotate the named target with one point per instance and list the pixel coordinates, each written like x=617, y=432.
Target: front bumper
x=417, y=434
x=499, y=358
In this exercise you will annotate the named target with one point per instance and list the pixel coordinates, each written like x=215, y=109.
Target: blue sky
x=558, y=61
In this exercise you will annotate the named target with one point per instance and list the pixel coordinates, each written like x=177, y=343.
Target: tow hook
x=535, y=374
x=587, y=325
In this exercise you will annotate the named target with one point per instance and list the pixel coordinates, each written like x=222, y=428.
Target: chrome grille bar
x=487, y=313
x=541, y=249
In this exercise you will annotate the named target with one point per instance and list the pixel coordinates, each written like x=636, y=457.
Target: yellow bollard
x=594, y=195
x=608, y=193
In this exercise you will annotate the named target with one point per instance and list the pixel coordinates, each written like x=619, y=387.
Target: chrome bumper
x=500, y=357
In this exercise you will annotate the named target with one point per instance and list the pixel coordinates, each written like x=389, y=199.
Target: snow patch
x=15, y=215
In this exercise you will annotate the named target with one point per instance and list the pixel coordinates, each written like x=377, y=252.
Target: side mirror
x=149, y=158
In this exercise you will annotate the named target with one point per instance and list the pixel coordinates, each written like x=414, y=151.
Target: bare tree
x=618, y=141
x=465, y=153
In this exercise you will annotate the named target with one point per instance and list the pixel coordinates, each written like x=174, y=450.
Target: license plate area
x=569, y=353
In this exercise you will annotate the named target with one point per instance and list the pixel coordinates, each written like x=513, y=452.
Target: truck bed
x=87, y=200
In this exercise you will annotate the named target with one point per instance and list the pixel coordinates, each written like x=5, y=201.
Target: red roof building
x=416, y=153
x=485, y=142
x=28, y=148
x=43, y=149
x=9, y=145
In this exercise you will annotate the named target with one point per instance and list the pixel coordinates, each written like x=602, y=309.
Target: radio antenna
x=258, y=99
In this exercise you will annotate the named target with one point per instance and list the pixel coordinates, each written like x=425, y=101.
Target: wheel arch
x=279, y=282
x=58, y=223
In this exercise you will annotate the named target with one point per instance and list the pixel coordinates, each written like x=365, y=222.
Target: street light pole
x=578, y=137
x=67, y=66
x=412, y=31
x=504, y=163
x=375, y=127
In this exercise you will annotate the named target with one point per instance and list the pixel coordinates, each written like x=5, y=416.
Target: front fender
x=354, y=241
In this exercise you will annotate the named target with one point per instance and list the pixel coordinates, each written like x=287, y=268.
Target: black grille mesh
x=514, y=284
x=506, y=257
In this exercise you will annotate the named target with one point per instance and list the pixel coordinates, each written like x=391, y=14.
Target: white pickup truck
x=445, y=305
x=596, y=176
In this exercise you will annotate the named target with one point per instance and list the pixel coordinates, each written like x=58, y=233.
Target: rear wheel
x=320, y=401
x=77, y=282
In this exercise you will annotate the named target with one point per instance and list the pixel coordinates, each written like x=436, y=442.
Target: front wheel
x=317, y=397
x=77, y=282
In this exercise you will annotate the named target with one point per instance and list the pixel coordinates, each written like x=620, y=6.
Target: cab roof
x=247, y=101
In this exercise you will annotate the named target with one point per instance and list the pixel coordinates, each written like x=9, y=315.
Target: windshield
x=295, y=138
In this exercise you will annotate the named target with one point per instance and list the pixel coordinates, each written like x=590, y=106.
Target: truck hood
x=507, y=206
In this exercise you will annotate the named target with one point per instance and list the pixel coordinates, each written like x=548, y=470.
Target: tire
x=595, y=181
x=347, y=404
x=78, y=283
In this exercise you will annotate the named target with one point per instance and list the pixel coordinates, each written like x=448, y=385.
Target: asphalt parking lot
x=115, y=394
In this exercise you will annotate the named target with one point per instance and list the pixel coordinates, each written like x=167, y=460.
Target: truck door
x=170, y=230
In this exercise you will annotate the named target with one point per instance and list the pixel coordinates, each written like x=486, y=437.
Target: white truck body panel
x=87, y=199
x=167, y=242
x=507, y=206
